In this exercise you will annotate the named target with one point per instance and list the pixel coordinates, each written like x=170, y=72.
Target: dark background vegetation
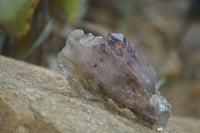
x=166, y=32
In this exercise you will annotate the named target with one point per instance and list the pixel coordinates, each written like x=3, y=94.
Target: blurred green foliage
x=70, y=7
x=15, y=15
x=126, y=13
x=26, y=24
x=31, y=41
x=162, y=82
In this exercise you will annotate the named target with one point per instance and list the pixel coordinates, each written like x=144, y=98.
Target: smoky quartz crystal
x=114, y=69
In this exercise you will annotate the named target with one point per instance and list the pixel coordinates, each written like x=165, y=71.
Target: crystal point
x=116, y=70
x=126, y=51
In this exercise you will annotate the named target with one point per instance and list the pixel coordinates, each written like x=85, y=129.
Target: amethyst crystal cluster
x=114, y=69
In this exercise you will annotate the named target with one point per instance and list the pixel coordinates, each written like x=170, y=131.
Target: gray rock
x=37, y=100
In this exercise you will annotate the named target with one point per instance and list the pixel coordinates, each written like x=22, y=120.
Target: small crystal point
x=116, y=36
x=114, y=69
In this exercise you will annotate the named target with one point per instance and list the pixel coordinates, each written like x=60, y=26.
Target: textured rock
x=116, y=70
x=37, y=100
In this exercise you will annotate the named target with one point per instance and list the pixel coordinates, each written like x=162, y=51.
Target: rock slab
x=34, y=99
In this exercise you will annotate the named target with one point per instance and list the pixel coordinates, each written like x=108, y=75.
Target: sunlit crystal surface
x=115, y=69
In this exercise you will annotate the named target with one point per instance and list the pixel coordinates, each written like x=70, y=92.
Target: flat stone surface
x=34, y=99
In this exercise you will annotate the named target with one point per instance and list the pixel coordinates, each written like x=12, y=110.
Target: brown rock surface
x=37, y=100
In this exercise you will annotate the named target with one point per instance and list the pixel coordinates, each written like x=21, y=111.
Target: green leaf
x=15, y=15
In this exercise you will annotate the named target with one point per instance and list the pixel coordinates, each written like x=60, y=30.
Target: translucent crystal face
x=143, y=71
x=114, y=69
x=158, y=108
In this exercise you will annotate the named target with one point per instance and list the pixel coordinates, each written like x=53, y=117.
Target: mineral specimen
x=114, y=69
